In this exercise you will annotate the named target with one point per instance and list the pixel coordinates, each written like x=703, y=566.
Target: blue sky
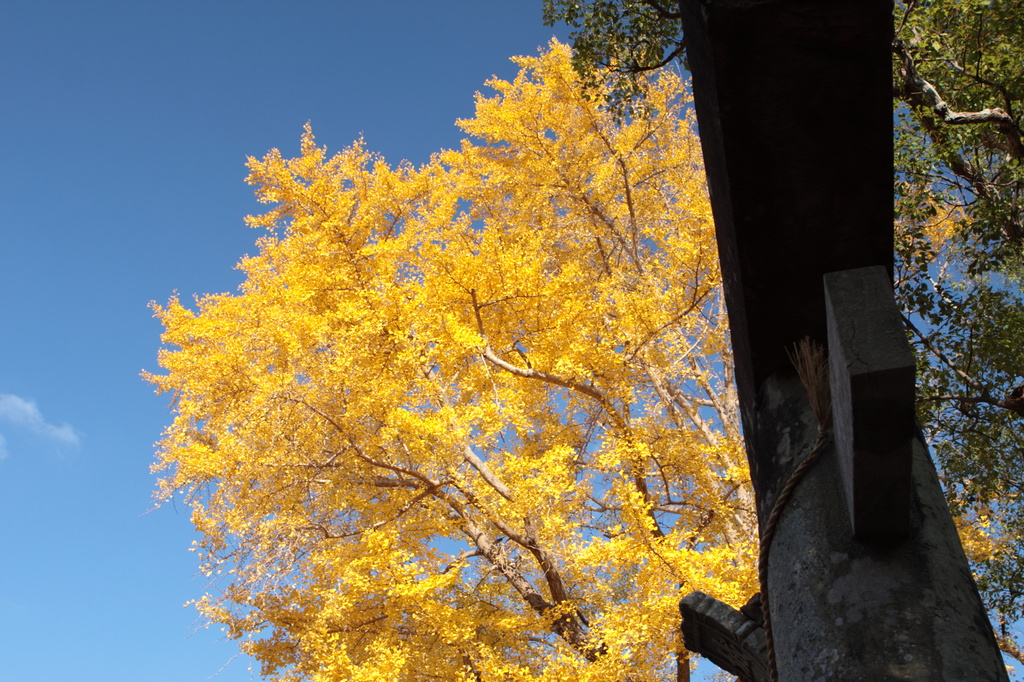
x=124, y=128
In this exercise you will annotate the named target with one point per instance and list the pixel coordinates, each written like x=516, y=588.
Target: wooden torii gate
x=866, y=579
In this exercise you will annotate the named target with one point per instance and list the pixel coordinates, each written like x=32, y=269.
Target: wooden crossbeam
x=794, y=105
x=872, y=375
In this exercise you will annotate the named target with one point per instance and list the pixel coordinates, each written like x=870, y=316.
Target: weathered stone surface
x=872, y=376
x=843, y=609
x=725, y=637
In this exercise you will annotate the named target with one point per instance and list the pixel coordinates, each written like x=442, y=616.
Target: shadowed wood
x=872, y=376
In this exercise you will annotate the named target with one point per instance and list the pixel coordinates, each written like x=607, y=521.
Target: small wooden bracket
x=872, y=381
x=725, y=637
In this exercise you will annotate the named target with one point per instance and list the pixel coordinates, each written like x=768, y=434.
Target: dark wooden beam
x=794, y=103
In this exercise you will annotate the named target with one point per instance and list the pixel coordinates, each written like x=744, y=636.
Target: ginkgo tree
x=472, y=420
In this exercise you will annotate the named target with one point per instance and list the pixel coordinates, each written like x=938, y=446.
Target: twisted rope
x=766, y=544
x=811, y=362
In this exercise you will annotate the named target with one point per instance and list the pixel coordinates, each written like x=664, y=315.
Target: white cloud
x=23, y=412
x=3, y=447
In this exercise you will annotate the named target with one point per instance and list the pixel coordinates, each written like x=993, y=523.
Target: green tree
x=959, y=78
x=959, y=91
x=617, y=41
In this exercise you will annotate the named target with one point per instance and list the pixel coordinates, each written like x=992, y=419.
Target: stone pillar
x=844, y=609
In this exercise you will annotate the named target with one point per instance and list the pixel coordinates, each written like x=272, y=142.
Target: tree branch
x=570, y=384
x=662, y=12
x=1010, y=648
x=974, y=383
x=1007, y=100
x=633, y=230
x=1008, y=403
x=327, y=534
x=914, y=83
x=486, y=472
x=634, y=67
x=565, y=626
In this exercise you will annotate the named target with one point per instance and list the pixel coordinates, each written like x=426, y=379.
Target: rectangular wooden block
x=872, y=380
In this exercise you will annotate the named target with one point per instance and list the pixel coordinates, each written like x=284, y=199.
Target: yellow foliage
x=469, y=421
x=980, y=541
